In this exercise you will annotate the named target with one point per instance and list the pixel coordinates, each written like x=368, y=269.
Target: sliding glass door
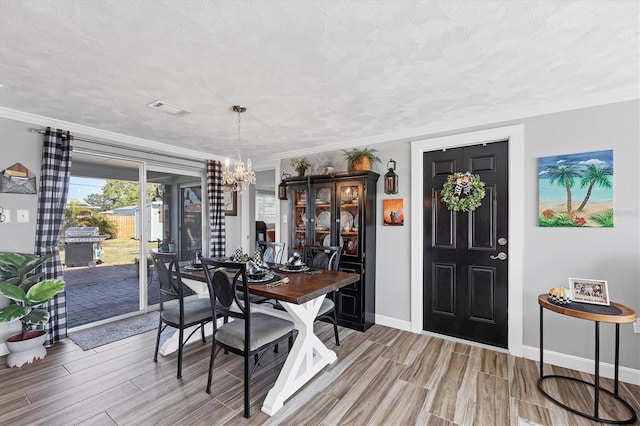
x=135, y=207
x=175, y=221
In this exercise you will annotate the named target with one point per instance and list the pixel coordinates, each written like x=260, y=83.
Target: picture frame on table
x=589, y=291
x=230, y=201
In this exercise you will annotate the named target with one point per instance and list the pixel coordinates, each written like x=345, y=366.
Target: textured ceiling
x=312, y=73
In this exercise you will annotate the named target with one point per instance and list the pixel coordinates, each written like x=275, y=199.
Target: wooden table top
x=622, y=314
x=301, y=287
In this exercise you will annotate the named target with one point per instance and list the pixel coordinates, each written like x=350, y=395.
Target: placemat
x=592, y=309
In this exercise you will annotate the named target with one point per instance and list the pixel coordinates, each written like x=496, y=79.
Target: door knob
x=501, y=256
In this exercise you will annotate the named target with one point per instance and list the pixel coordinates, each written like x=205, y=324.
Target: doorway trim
x=515, y=136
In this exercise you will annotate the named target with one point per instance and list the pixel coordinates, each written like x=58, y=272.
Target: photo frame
x=589, y=291
x=230, y=201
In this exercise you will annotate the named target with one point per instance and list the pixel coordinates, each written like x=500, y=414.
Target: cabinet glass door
x=299, y=219
x=349, y=200
x=324, y=217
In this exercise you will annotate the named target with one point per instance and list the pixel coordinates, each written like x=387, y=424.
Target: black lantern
x=391, y=179
x=282, y=188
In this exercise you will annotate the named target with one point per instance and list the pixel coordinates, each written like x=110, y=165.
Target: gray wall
x=17, y=145
x=552, y=255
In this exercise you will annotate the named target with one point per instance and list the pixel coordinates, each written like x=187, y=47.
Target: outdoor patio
x=102, y=292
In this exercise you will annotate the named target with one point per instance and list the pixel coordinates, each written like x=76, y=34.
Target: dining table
x=301, y=293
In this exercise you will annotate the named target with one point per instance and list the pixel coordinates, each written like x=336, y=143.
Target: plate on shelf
x=324, y=195
x=327, y=241
x=324, y=219
x=346, y=219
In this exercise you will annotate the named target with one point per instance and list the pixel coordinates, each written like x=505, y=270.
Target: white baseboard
x=625, y=374
x=393, y=322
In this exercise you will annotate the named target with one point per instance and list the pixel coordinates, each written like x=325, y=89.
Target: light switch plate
x=23, y=216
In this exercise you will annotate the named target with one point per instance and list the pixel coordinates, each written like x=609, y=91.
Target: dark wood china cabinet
x=339, y=210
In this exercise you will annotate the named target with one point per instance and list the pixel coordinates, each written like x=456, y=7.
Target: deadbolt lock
x=502, y=241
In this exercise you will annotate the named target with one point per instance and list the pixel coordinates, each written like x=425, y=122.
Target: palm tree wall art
x=586, y=178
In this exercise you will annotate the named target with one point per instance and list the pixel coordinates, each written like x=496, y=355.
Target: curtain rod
x=113, y=145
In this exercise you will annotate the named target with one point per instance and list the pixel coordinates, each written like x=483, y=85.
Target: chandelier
x=238, y=179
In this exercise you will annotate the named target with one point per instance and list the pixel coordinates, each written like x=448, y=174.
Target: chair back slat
x=169, y=278
x=224, y=289
x=271, y=251
x=324, y=257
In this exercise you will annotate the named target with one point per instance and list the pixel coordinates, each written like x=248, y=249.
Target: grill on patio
x=81, y=245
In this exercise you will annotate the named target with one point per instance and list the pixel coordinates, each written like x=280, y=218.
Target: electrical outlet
x=636, y=327
x=284, y=218
x=7, y=216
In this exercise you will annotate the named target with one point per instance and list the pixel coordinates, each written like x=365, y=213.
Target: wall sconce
x=282, y=188
x=391, y=179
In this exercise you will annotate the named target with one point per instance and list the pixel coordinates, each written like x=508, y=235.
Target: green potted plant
x=300, y=165
x=27, y=292
x=361, y=158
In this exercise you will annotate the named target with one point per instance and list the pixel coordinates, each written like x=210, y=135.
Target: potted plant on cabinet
x=361, y=158
x=300, y=165
x=27, y=292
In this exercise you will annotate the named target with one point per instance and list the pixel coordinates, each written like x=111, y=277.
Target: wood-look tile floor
x=382, y=377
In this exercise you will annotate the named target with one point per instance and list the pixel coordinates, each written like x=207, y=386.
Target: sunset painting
x=393, y=211
x=576, y=190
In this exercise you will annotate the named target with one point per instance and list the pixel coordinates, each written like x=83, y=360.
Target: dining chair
x=326, y=257
x=249, y=333
x=271, y=251
x=175, y=311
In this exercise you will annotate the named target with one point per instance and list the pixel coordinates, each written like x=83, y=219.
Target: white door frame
x=515, y=136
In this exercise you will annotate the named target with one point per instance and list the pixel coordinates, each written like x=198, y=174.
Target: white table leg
x=307, y=357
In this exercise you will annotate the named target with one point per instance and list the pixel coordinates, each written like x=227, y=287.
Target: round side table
x=615, y=313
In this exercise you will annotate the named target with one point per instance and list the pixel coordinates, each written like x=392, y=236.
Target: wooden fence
x=126, y=225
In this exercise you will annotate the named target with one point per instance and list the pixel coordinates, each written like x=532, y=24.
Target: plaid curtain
x=52, y=199
x=217, y=239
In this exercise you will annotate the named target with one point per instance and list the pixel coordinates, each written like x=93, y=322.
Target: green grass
x=119, y=251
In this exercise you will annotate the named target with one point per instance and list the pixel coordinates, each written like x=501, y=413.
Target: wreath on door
x=463, y=192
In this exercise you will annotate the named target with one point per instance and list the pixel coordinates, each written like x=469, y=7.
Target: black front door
x=465, y=282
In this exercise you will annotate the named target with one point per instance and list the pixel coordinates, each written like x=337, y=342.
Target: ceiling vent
x=171, y=109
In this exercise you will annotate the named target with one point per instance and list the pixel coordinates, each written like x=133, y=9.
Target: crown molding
x=121, y=140
x=481, y=120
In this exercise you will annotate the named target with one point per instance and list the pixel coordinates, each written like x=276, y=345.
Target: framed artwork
x=576, y=190
x=230, y=202
x=589, y=291
x=393, y=212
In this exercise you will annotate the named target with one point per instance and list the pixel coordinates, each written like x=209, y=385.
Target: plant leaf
x=13, y=292
x=13, y=312
x=37, y=317
x=45, y=290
